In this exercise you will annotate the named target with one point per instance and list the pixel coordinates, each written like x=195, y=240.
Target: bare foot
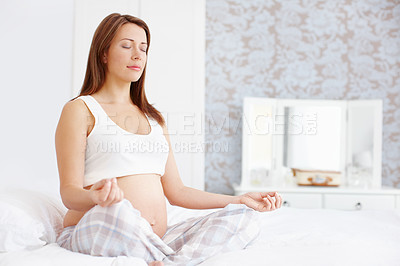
x=156, y=263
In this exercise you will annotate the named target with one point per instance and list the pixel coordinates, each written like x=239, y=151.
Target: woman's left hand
x=261, y=201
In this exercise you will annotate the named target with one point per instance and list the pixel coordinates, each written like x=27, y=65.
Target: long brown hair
x=96, y=67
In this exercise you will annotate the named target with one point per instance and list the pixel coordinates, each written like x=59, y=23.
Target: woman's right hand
x=106, y=192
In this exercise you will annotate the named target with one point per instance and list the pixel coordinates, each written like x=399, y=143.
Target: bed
x=30, y=221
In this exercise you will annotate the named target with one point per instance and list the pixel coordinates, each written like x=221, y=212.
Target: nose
x=137, y=54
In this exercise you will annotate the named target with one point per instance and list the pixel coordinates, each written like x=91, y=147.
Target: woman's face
x=126, y=57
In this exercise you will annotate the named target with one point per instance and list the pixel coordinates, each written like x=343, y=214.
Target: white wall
x=35, y=73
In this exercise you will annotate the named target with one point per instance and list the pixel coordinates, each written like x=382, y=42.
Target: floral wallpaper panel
x=298, y=49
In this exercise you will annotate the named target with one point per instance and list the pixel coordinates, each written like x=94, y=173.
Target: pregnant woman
x=116, y=166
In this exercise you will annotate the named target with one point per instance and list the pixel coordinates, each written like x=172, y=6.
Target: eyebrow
x=132, y=40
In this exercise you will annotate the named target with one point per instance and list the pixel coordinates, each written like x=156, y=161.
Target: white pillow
x=18, y=230
x=38, y=219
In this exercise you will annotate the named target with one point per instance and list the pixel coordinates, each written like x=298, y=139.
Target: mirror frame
x=278, y=105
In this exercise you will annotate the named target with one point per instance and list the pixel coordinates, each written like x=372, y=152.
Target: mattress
x=289, y=236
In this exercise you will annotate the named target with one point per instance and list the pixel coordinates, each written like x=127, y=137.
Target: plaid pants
x=119, y=230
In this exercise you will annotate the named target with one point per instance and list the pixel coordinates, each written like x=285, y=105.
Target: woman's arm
x=180, y=195
x=70, y=140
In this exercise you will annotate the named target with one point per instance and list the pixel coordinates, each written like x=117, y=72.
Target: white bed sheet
x=289, y=236
x=321, y=237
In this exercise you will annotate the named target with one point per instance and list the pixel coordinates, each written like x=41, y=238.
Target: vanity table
x=318, y=136
x=333, y=198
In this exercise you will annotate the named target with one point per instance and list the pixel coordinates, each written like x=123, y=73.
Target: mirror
x=364, y=142
x=317, y=146
x=319, y=142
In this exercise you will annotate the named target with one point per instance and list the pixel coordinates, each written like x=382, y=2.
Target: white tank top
x=114, y=152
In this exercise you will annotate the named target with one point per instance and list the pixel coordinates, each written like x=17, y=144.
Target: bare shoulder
x=76, y=107
x=75, y=115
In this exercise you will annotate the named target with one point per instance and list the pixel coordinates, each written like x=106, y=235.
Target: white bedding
x=289, y=237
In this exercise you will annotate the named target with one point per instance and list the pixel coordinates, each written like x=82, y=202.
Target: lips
x=134, y=67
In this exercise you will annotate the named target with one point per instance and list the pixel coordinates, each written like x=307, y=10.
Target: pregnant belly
x=145, y=193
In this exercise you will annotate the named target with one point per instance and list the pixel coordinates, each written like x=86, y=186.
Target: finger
x=119, y=196
x=103, y=193
x=278, y=201
x=267, y=203
x=99, y=184
x=265, y=194
x=112, y=194
x=271, y=200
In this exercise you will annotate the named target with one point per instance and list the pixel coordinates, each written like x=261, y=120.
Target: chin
x=135, y=78
x=130, y=79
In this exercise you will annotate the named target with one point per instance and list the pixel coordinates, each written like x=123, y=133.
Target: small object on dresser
x=317, y=177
